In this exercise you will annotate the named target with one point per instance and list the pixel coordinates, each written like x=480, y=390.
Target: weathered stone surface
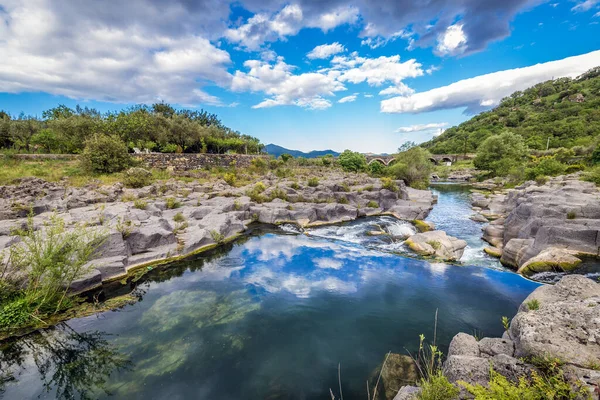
x=550, y=259
x=408, y=393
x=463, y=345
x=470, y=369
x=437, y=244
x=514, y=251
x=566, y=325
x=490, y=347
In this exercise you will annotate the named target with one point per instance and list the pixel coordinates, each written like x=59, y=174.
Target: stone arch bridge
x=435, y=158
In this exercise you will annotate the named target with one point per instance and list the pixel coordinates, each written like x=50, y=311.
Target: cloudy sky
x=308, y=74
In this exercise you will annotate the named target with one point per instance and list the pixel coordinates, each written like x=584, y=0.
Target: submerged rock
x=437, y=244
x=399, y=370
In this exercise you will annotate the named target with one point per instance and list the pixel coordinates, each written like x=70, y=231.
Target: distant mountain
x=276, y=151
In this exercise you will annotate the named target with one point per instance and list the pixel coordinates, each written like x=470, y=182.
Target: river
x=272, y=315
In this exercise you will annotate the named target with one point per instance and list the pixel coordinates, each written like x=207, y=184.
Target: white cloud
x=102, y=60
x=328, y=263
x=368, y=95
x=380, y=41
x=277, y=80
x=422, y=127
x=597, y=15
x=487, y=90
x=335, y=18
x=348, y=99
x=263, y=27
x=400, y=89
x=586, y=5
x=453, y=41
x=325, y=51
x=376, y=71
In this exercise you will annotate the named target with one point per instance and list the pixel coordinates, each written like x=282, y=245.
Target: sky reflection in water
x=273, y=317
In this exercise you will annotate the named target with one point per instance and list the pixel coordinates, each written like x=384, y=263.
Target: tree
x=105, y=155
x=46, y=139
x=23, y=129
x=406, y=146
x=499, y=153
x=413, y=167
x=351, y=161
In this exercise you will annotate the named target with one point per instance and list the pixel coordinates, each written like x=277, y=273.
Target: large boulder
x=566, y=323
x=437, y=244
x=550, y=259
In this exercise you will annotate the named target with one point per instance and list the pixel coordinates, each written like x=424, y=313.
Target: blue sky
x=358, y=74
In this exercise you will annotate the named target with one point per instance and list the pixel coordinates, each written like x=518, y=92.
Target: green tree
x=413, y=167
x=499, y=153
x=104, y=154
x=352, y=161
x=22, y=130
x=46, y=139
x=406, y=146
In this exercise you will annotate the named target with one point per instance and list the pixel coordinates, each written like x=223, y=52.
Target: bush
x=230, y=179
x=546, y=166
x=327, y=160
x=372, y=204
x=376, y=168
x=389, y=184
x=499, y=153
x=541, y=179
x=259, y=164
x=413, y=167
x=595, y=159
x=278, y=193
x=51, y=257
x=285, y=157
x=574, y=168
x=171, y=203
x=313, y=182
x=105, y=155
x=137, y=177
x=140, y=204
x=593, y=175
x=351, y=161
x=178, y=217
x=437, y=387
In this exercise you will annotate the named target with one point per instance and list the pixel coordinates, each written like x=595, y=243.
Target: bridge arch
x=391, y=162
x=433, y=160
x=379, y=160
x=447, y=159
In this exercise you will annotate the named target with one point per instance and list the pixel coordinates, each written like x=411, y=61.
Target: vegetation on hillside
x=557, y=113
x=159, y=127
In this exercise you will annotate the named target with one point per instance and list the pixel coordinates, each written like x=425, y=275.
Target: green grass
x=372, y=204
x=533, y=304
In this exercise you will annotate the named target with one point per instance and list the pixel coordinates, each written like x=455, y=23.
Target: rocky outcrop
x=561, y=321
x=546, y=227
x=174, y=218
x=437, y=244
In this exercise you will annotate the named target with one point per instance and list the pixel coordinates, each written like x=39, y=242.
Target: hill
x=276, y=151
x=565, y=110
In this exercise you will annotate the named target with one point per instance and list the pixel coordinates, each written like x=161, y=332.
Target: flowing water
x=271, y=317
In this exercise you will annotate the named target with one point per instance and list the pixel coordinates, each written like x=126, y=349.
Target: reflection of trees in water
x=73, y=364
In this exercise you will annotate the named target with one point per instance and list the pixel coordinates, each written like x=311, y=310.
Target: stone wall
x=186, y=162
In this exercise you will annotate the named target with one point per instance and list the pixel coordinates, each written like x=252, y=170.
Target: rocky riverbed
x=559, y=321
x=536, y=228
x=172, y=219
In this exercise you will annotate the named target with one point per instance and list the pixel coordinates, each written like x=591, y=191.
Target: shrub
x=574, y=168
x=274, y=164
x=255, y=193
x=571, y=215
x=140, y=204
x=285, y=157
x=217, y=237
x=137, y=177
x=52, y=257
x=389, y=184
x=125, y=227
x=327, y=160
x=283, y=172
x=230, y=179
x=533, y=304
x=178, y=217
x=171, y=203
x=343, y=200
x=413, y=167
x=260, y=187
x=351, y=161
x=499, y=153
x=550, y=385
x=105, y=154
x=278, y=193
x=372, y=204
x=437, y=387
x=376, y=168
x=595, y=159
x=541, y=179
x=259, y=164
x=546, y=166
x=593, y=175
x=295, y=185
x=313, y=182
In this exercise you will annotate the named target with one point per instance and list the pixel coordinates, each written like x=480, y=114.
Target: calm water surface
x=271, y=316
